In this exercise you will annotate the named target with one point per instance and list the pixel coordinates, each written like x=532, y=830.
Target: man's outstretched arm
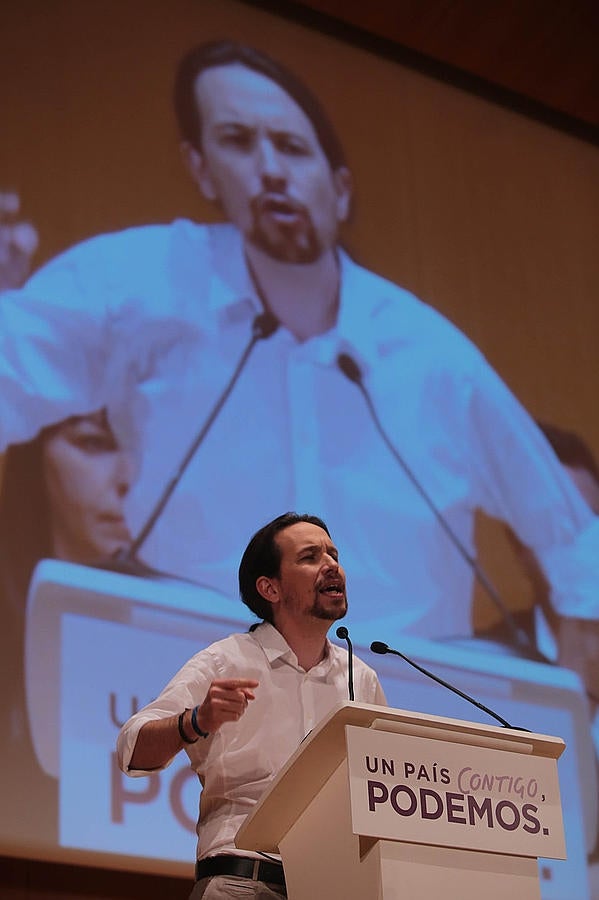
x=161, y=739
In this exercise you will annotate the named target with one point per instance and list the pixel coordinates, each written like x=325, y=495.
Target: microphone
x=349, y=367
x=380, y=647
x=264, y=325
x=343, y=635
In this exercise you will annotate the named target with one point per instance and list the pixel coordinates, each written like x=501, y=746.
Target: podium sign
x=386, y=791
x=424, y=790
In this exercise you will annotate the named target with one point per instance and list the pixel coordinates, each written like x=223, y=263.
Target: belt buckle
x=256, y=870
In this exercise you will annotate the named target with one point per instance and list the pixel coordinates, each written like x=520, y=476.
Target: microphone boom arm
x=380, y=647
x=352, y=372
x=263, y=326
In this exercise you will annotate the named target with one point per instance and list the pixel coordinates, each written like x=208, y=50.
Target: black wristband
x=195, y=726
x=182, y=734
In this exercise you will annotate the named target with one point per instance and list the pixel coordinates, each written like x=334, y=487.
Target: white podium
x=382, y=803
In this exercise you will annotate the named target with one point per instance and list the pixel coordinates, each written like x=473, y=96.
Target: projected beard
x=283, y=229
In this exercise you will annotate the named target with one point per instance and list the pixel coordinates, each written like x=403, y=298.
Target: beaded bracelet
x=182, y=734
x=195, y=726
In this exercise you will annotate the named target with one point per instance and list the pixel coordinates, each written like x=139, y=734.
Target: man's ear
x=195, y=163
x=344, y=187
x=268, y=589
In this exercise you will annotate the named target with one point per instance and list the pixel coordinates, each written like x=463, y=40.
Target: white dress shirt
x=151, y=323
x=237, y=763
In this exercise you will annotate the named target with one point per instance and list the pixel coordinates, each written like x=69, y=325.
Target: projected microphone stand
x=263, y=326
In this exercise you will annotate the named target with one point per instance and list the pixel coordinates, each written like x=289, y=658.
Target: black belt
x=242, y=867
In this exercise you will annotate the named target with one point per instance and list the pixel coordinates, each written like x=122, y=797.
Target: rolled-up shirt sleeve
x=185, y=690
x=126, y=744
x=84, y=330
x=521, y=481
x=52, y=362
x=571, y=570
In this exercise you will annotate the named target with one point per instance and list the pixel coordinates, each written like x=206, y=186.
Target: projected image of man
x=151, y=322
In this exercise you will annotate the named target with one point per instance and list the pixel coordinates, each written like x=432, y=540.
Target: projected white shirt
x=240, y=760
x=151, y=323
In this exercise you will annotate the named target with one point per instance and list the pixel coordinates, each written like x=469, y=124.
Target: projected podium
x=383, y=804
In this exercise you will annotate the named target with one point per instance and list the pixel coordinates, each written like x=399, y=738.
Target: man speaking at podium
x=242, y=706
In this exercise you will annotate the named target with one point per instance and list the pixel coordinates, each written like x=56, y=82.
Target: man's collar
x=230, y=285
x=276, y=647
x=272, y=642
x=231, y=282
x=353, y=332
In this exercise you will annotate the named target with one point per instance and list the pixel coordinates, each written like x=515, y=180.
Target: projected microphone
x=264, y=325
x=343, y=635
x=349, y=367
x=380, y=647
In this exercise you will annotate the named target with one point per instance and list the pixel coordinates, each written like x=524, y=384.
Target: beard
x=293, y=241
x=322, y=606
x=329, y=612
